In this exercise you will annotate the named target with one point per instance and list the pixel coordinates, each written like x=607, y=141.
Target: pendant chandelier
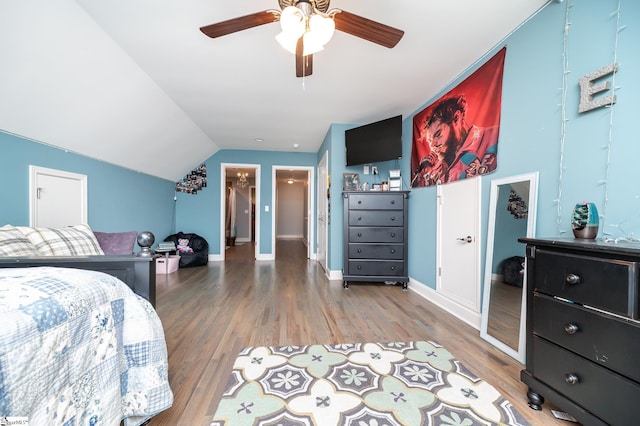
x=242, y=180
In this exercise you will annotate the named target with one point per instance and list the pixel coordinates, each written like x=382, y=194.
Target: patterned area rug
x=363, y=384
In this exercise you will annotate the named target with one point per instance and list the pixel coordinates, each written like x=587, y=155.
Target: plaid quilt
x=78, y=347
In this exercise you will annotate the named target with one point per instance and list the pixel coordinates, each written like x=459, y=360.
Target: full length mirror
x=512, y=214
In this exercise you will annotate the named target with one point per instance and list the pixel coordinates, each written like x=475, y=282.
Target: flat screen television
x=371, y=143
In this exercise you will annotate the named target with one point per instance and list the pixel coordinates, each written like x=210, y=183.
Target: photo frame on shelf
x=351, y=181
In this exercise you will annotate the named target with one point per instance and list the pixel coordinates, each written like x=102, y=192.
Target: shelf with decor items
x=583, y=328
x=375, y=237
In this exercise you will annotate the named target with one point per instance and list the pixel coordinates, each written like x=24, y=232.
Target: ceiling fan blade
x=367, y=29
x=304, y=64
x=241, y=23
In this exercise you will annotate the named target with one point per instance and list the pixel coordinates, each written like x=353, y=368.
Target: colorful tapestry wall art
x=456, y=137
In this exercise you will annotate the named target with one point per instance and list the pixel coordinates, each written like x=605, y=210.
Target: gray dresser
x=375, y=237
x=583, y=328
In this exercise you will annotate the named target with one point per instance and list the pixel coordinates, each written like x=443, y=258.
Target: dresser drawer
x=376, y=251
x=376, y=235
x=385, y=268
x=376, y=218
x=605, y=394
x=376, y=201
x=606, y=284
x=592, y=334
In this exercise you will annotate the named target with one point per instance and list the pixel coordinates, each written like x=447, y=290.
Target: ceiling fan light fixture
x=293, y=21
x=316, y=28
x=287, y=42
x=322, y=28
x=311, y=44
x=293, y=24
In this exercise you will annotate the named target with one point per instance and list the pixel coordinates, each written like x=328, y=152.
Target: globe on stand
x=145, y=241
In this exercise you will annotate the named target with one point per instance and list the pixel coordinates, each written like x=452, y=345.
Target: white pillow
x=15, y=243
x=77, y=240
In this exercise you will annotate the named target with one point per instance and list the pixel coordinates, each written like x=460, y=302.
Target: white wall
x=291, y=210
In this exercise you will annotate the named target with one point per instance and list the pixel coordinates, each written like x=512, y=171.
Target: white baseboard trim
x=334, y=275
x=219, y=258
x=269, y=256
x=472, y=318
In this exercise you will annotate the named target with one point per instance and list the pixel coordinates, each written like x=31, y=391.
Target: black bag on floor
x=513, y=270
x=192, y=248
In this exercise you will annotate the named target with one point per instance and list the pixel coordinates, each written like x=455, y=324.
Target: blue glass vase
x=585, y=220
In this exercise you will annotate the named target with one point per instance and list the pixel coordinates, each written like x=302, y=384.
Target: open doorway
x=294, y=206
x=240, y=225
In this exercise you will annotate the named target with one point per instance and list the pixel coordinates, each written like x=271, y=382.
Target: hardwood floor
x=505, y=304
x=209, y=313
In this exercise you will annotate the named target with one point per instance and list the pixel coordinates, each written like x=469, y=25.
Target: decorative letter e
x=588, y=89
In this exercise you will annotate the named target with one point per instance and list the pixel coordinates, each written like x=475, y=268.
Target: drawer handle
x=572, y=379
x=359, y=267
x=393, y=268
x=359, y=250
x=359, y=201
x=359, y=217
x=571, y=328
x=393, y=251
x=393, y=201
x=393, y=235
x=359, y=234
x=573, y=279
x=393, y=218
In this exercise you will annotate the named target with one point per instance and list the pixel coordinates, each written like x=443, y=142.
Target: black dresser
x=583, y=328
x=375, y=237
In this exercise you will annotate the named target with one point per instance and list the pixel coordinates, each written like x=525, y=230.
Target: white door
x=322, y=212
x=458, y=242
x=57, y=198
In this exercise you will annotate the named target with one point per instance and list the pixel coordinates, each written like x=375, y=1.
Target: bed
x=78, y=347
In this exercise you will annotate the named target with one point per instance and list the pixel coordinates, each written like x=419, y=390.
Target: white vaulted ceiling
x=135, y=83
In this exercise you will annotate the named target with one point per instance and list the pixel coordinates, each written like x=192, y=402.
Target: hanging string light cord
x=626, y=236
x=563, y=124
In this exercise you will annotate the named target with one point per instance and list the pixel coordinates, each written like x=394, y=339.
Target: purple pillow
x=116, y=242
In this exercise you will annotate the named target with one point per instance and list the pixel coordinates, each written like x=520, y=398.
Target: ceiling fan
x=307, y=25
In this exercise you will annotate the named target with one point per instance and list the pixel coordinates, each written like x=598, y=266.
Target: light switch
x=266, y=208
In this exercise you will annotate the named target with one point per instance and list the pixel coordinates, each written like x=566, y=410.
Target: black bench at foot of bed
x=139, y=273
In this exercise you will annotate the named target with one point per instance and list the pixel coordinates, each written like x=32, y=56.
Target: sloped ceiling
x=136, y=84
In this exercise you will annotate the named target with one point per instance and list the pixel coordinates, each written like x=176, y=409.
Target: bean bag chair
x=192, y=248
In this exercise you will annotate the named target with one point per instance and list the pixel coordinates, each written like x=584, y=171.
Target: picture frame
x=351, y=181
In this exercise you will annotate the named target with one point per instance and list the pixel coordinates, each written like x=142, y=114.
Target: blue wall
x=200, y=213
x=591, y=158
x=334, y=143
x=588, y=156
x=119, y=199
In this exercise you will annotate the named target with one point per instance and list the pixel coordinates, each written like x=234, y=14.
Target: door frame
x=323, y=207
x=223, y=205
x=35, y=171
x=310, y=206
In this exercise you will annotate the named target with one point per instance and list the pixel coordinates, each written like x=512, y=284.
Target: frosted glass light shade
x=317, y=32
x=292, y=21
x=322, y=28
